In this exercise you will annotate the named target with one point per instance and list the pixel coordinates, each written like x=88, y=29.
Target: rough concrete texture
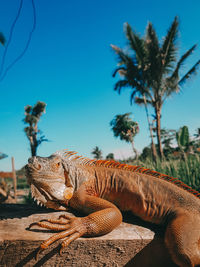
x=128, y=245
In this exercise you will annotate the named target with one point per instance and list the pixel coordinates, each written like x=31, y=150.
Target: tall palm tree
x=126, y=129
x=153, y=70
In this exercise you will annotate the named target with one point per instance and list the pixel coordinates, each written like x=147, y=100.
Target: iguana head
x=49, y=180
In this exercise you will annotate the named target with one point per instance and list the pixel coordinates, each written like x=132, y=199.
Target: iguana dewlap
x=102, y=188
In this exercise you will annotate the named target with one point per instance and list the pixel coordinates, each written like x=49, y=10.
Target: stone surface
x=127, y=245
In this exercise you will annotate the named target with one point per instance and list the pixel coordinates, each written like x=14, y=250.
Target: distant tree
x=152, y=69
x=110, y=156
x=32, y=117
x=126, y=129
x=146, y=154
x=167, y=137
x=97, y=153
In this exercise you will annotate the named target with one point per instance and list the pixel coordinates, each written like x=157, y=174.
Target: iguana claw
x=38, y=252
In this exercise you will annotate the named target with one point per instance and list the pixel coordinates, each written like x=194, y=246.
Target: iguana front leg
x=103, y=218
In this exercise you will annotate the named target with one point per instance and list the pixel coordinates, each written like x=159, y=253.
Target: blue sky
x=69, y=65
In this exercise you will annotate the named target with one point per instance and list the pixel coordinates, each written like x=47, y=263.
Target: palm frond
x=117, y=70
x=190, y=73
x=134, y=92
x=123, y=57
x=169, y=49
x=152, y=40
x=133, y=76
x=136, y=43
x=153, y=54
x=121, y=84
x=181, y=61
x=140, y=101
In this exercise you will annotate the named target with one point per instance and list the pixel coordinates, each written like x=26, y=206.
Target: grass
x=187, y=170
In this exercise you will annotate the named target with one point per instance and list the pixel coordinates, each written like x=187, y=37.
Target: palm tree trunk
x=33, y=150
x=34, y=145
x=134, y=149
x=150, y=130
x=158, y=127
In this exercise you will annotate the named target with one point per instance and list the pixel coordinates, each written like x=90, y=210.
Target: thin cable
x=27, y=44
x=10, y=36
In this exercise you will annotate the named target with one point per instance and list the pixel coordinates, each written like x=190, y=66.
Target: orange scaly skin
x=101, y=189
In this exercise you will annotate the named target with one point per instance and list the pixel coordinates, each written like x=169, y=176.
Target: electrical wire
x=28, y=42
x=10, y=36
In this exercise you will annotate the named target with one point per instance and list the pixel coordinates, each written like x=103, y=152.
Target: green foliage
x=97, y=153
x=124, y=127
x=146, y=154
x=110, y=156
x=182, y=137
x=188, y=173
x=151, y=69
x=22, y=183
x=28, y=199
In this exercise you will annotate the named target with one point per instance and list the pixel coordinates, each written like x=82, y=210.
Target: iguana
x=102, y=189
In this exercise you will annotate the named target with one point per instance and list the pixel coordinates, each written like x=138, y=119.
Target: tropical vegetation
x=126, y=129
x=151, y=69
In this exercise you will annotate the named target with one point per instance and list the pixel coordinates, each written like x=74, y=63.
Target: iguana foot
x=73, y=228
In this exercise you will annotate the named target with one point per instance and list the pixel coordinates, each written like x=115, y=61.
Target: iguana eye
x=58, y=164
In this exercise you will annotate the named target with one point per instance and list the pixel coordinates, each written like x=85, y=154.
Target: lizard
x=101, y=189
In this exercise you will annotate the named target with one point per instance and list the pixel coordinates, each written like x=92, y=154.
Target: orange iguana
x=101, y=188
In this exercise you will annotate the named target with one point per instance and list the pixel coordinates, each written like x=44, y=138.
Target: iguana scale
x=102, y=189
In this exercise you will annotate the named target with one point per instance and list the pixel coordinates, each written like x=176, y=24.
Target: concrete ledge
x=128, y=245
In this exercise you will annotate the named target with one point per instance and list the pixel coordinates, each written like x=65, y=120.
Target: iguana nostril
x=34, y=163
x=37, y=166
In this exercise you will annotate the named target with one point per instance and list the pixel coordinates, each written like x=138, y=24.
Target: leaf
x=182, y=137
x=190, y=73
x=136, y=43
x=180, y=63
x=140, y=101
x=169, y=49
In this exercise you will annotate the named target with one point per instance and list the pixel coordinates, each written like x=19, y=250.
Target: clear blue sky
x=69, y=64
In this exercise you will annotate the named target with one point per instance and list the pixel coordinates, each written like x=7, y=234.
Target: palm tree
x=133, y=72
x=126, y=129
x=153, y=70
x=32, y=116
x=97, y=153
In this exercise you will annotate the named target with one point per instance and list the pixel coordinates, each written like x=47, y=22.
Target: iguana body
x=102, y=188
